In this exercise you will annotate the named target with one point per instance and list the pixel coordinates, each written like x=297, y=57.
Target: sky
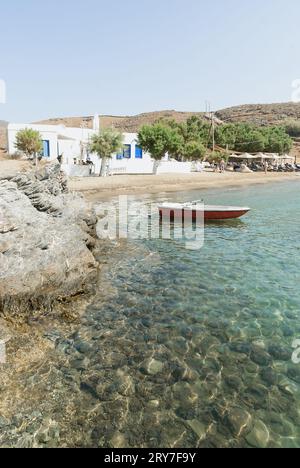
x=124, y=57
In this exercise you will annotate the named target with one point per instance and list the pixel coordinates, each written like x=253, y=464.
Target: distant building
x=72, y=146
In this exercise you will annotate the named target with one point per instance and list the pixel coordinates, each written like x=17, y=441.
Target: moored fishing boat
x=197, y=209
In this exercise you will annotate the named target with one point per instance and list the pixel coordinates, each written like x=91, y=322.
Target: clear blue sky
x=69, y=57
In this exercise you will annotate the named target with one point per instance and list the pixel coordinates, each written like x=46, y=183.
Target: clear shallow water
x=186, y=348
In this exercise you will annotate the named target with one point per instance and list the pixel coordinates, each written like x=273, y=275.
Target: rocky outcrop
x=46, y=237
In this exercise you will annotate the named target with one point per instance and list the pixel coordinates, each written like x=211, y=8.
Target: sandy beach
x=9, y=168
x=96, y=188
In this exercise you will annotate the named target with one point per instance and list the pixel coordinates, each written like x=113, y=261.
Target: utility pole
x=213, y=130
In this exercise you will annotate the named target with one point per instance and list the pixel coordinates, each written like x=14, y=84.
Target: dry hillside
x=261, y=114
x=125, y=124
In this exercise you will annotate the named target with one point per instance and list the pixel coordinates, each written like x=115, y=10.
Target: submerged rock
x=280, y=353
x=152, y=367
x=239, y=421
x=259, y=437
x=260, y=357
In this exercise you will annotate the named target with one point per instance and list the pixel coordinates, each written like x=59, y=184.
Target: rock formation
x=46, y=237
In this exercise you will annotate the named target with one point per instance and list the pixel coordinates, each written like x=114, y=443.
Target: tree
x=246, y=138
x=29, y=142
x=194, y=150
x=159, y=139
x=193, y=138
x=278, y=141
x=105, y=144
x=226, y=136
x=292, y=128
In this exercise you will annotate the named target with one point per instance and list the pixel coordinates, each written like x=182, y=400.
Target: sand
x=9, y=168
x=96, y=188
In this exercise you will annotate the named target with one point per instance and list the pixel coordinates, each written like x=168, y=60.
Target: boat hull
x=209, y=215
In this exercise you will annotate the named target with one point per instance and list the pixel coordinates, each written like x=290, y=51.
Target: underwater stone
x=151, y=367
x=239, y=421
x=260, y=357
x=259, y=437
x=294, y=373
x=198, y=428
x=243, y=348
x=233, y=382
x=83, y=347
x=280, y=353
x=269, y=376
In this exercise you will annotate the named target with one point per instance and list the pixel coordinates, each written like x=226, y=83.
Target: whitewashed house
x=71, y=144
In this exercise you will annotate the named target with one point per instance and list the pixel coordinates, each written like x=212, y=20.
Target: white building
x=71, y=144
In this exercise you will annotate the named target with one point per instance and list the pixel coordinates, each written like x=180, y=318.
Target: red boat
x=211, y=212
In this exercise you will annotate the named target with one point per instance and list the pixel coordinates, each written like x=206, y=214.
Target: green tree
x=292, y=128
x=194, y=151
x=159, y=139
x=248, y=138
x=226, y=136
x=193, y=136
x=278, y=141
x=29, y=142
x=106, y=143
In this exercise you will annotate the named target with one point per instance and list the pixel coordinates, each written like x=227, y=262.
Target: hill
x=130, y=124
x=261, y=114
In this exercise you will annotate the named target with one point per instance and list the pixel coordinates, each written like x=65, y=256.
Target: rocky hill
x=261, y=114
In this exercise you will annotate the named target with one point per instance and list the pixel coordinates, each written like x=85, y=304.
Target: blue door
x=138, y=152
x=46, y=149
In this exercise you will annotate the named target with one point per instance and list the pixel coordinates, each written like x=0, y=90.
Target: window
x=126, y=154
x=46, y=149
x=127, y=151
x=138, y=152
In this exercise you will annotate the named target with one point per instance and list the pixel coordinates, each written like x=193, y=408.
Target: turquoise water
x=206, y=336
x=184, y=348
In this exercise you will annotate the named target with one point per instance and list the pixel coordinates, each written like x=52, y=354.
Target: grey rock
x=44, y=254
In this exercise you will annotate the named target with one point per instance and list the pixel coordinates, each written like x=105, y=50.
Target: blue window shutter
x=119, y=156
x=138, y=152
x=46, y=148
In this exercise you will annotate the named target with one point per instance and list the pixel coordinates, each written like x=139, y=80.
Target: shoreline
x=96, y=188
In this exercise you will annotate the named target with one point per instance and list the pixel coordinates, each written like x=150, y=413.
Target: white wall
x=49, y=132
x=67, y=142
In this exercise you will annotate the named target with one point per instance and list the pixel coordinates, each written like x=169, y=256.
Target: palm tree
x=106, y=143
